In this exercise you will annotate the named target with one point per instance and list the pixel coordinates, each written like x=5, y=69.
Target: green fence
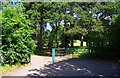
x=56, y=51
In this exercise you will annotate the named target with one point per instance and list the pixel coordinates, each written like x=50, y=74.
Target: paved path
x=36, y=62
x=42, y=66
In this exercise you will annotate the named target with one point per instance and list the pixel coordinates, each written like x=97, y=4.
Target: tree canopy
x=25, y=26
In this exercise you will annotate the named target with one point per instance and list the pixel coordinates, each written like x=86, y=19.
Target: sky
x=48, y=27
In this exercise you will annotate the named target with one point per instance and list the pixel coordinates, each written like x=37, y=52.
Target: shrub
x=17, y=43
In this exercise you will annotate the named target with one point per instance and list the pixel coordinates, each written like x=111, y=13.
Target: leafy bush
x=77, y=51
x=17, y=43
x=103, y=41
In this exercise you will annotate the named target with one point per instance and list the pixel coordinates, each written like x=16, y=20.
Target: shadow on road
x=78, y=67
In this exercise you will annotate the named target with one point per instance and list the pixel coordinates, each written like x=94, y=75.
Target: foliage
x=115, y=32
x=78, y=51
x=103, y=37
x=76, y=30
x=42, y=13
x=17, y=43
x=90, y=23
x=80, y=20
x=8, y=68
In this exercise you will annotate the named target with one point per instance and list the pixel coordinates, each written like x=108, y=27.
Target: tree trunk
x=71, y=42
x=56, y=33
x=64, y=33
x=71, y=22
x=81, y=41
x=57, y=43
x=41, y=34
x=38, y=37
x=41, y=31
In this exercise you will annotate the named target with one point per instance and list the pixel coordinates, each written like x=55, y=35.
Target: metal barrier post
x=53, y=55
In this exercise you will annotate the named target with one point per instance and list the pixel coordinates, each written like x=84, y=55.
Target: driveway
x=42, y=66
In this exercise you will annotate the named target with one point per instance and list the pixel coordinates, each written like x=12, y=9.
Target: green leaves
x=17, y=32
x=76, y=30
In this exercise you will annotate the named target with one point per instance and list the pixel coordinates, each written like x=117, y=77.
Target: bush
x=103, y=41
x=17, y=43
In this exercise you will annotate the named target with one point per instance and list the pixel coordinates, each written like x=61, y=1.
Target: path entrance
x=43, y=66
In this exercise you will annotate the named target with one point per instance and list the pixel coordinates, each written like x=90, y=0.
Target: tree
x=43, y=13
x=17, y=44
x=90, y=20
x=101, y=37
x=115, y=32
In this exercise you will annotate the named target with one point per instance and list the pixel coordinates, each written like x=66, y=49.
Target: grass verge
x=7, y=69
